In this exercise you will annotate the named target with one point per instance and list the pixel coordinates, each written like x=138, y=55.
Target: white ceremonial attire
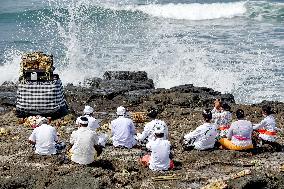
x=123, y=132
x=149, y=131
x=83, y=141
x=267, y=128
x=203, y=137
x=240, y=133
x=93, y=123
x=45, y=137
x=160, y=154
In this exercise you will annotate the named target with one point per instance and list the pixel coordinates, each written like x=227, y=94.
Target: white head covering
x=41, y=121
x=88, y=110
x=159, y=128
x=120, y=111
x=83, y=122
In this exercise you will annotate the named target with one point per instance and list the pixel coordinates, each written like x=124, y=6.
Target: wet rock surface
x=179, y=106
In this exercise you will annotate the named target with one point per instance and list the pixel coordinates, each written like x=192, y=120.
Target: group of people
x=217, y=129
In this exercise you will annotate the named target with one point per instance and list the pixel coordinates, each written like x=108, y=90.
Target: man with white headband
x=148, y=132
x=45, y=138
x=85, y=144
x=159, y=159
x=122, y=130
x=93, y=123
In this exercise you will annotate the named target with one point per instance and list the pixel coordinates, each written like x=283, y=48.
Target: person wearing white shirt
x=44, y=137
x=239, y=136
x=223, y=119
x=267, y=127
x=122, y=130
x=159, y=159
x=148, y=132
x=85, y=144
x=204, y=136
x=92, y=122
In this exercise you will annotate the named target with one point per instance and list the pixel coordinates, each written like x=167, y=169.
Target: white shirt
x=45, y=137
x=269, y=124
x=149, y=131
x=240, y=133
x=123, y=132
x=221, y=117
x=204, y=136
x=83, y=141
x=93, y=123
x=160, y=152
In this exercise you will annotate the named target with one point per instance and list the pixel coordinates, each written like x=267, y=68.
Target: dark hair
x=84, y=119
x=152, y=113
x=207, y=115
x=159, y=135
x=240, y=113
x=226, y=106
x=267, y=109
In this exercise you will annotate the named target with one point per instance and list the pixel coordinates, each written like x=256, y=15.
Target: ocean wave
x=194, y=11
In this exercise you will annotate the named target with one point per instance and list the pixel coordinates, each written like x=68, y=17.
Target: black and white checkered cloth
x=40, y=97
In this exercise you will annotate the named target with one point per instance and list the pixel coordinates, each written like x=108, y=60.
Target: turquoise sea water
x=230, y=46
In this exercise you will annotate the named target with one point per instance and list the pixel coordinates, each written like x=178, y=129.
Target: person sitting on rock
x=239, y=136
x=267, y=127
x=85, y=144
x=204, y=136
x=223, y=119
x=88, y=113
x=93, y=124
x=148, y=132
x=159, y=159
x=45, y=139
x=216, y=111
x=122, y=130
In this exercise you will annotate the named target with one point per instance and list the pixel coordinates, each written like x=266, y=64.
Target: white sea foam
x=194, y=11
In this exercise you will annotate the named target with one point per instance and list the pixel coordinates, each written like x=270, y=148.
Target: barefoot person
x=85, y=144
x=239, y=136
x=159, y=159
x=45, y=138
x=123, y=130
x=148, y=132
x=204, y=136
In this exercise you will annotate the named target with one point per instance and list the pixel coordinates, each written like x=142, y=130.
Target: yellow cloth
x=227, y=144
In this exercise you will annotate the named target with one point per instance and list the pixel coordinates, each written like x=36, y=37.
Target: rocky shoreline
x=179, y=106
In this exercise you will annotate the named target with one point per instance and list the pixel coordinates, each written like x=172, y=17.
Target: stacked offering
x=36, y=66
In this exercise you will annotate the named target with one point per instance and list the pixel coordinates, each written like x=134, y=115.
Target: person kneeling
x=204, y=136
x=239, y=134
x=85, y=144
x=159, y=160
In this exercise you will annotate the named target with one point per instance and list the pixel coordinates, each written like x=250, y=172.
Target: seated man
x=92, y=122
x=204, y=136
x=122, y=130
x=148, y=132
x=45, y=138
x=159, y=159
x=239, y=134
x=85, y=144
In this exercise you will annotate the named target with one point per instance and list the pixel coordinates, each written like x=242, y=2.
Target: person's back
x=204, y=136
x=93, y=123
x=148, y=131
x=45, y=137
x=160, y=152
x=83, y=141
x=267, y=128
x=240, y=133
x=123, y=130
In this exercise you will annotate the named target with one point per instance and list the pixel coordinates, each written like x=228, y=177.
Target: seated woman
x=159, y=160
x=204, y=136
x=239, y=134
